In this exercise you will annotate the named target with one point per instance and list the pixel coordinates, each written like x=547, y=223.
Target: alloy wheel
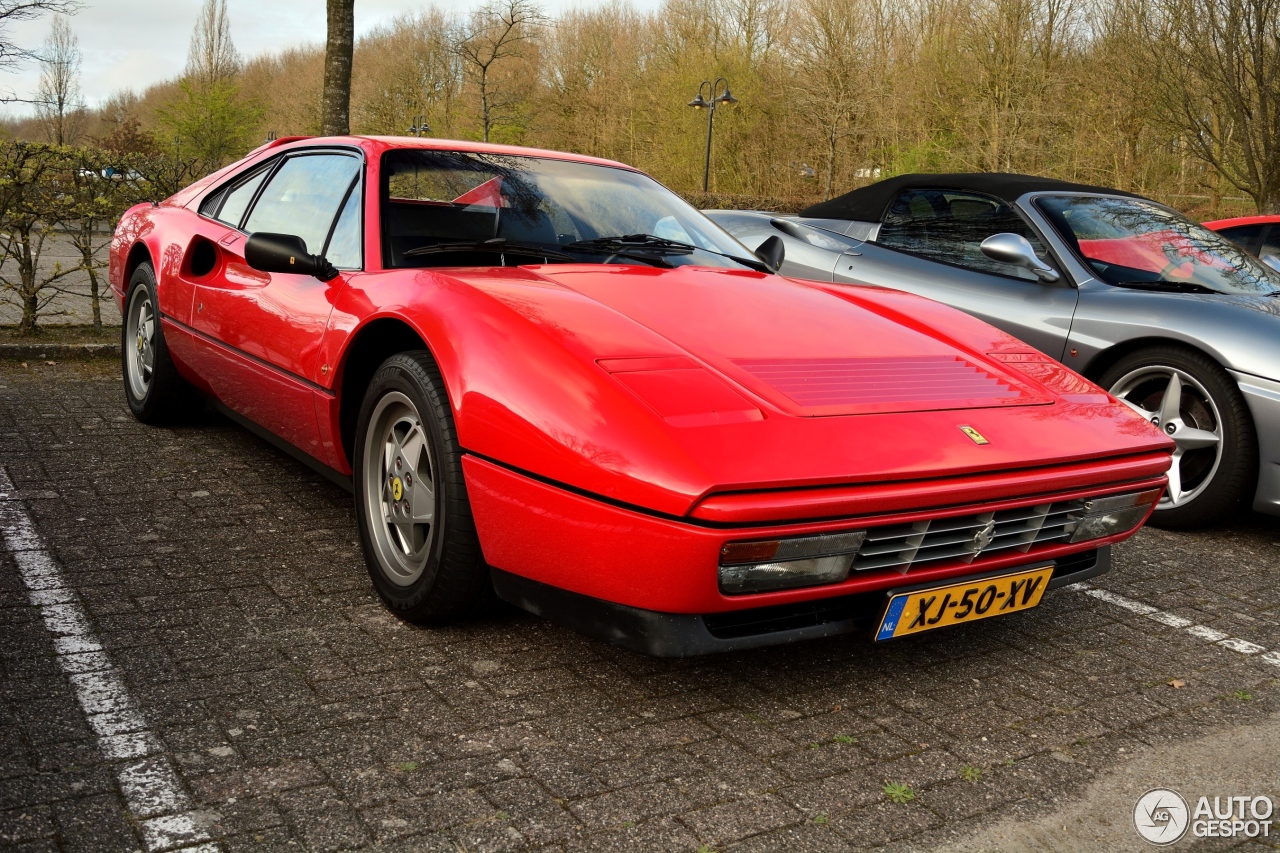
x=1177, y=403
x=400, y=488
x=140, y=349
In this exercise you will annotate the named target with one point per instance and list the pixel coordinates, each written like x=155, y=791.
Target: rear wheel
x=413, y=514
x=152, y=387
x=1195, y=402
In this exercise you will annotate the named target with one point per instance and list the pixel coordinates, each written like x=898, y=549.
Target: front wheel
x=1194, y=402
x=413, y=515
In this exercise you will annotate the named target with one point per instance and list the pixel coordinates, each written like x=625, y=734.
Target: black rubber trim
x=678, y=635
x=334, y=476
x=268, y=365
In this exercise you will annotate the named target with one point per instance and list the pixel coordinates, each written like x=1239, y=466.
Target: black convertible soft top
x=869, y=203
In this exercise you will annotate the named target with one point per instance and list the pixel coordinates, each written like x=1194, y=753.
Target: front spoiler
x=679, y=635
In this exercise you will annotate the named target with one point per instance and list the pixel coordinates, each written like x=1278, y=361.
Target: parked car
x=548, y=374
x=1259, y=235
x=1169, y=317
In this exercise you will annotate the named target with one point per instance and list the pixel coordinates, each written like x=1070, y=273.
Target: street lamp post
x=709, y=103
x=419, y=126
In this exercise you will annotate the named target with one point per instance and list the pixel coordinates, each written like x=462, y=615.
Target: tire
x=1210, y=480
x=156, y=394
x=419, y=543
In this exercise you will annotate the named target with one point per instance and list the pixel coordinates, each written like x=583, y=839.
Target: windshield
x=449, y=208
x=1134, y=243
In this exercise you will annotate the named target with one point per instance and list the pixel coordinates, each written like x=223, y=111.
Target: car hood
x=657, y=387
x=798, y=348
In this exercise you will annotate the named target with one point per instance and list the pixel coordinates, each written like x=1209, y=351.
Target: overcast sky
x=134, y=43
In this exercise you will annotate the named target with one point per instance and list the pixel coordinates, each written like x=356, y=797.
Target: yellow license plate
x=966, y=601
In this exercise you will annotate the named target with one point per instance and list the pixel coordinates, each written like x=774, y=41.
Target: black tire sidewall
x=1234, y=481
x=414, y=375
x=148, y=408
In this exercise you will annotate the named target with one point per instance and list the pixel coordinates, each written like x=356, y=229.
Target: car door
x=928, y=243
x=260, y=332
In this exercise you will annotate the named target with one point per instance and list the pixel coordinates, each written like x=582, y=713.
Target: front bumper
x=678, y=635
x=562, y=553
x=1263, y=399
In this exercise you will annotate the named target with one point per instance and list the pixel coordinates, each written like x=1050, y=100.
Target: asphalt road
x=190, y=654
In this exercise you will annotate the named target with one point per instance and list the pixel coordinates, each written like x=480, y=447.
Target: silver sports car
x=1171, y=318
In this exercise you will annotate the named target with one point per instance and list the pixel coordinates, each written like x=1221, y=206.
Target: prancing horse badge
x=978, y=438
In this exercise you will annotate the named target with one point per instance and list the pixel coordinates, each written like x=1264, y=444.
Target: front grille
x=866, y=381
x=903, y=546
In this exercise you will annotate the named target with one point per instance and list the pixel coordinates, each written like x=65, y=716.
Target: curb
x=38, y=351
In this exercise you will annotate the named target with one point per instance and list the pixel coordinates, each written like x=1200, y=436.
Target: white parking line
x=151, y=789
x=1202, y=632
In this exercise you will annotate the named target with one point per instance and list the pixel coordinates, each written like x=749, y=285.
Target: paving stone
x=226, y=584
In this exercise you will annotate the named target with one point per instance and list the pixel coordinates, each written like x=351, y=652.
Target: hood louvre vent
x=821, y=382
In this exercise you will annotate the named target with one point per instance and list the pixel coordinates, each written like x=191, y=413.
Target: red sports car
x=1260, y=235
x=546, y=375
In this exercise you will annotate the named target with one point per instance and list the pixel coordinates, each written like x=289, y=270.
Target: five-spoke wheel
x=402, y=474
x=412, y=509
x=1194, y=402
x=152, y=387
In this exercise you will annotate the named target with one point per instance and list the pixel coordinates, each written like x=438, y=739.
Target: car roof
x=869, y=203
x=1262, y=219
x=432, y=143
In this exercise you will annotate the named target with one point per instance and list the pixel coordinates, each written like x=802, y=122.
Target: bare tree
x=212, y=58
x=58, y=101
x=830, y=52
x=14, y=11
x=210, y=116
x=495, y=33
x=1221, y=72
x=337, y=68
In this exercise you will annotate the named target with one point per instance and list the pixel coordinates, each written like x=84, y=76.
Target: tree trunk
x=337, y=68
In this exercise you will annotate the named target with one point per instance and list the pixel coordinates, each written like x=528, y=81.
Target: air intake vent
x=912, y=380
x=964, y=538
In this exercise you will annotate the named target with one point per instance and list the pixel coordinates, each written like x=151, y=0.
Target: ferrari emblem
x=983, y=537
x=397, y=489
x=978, y=438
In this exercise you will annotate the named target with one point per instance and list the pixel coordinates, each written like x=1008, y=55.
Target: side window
x=1245, y=236
x=235, y=201
x=303, y=196
x=949, y=226
x=344, y=250
x=1271, y=243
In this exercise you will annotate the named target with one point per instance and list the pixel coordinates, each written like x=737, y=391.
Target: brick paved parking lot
x=190, y=653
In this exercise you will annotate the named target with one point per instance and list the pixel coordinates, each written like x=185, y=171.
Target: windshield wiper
x=494, y=245
x=632, y=242
x=653, y=245
x=1171, y=286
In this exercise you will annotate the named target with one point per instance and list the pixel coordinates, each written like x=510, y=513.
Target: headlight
x=787, y=563
x=1102, y=517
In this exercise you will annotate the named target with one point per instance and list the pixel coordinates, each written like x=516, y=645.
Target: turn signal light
x=788, y=563
x=1102, y=517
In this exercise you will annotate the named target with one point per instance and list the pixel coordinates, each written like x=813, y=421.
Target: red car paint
x=623, y=422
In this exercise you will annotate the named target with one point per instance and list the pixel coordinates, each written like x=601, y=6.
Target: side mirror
x=771, y=252
x=285, y=253
x=1015, y=250
x=1272, y=261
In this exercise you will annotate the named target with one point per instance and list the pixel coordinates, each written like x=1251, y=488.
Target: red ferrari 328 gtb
x=547, y=375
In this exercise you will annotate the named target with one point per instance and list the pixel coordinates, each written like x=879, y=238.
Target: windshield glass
x=449, y=208
x=1133, y=243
